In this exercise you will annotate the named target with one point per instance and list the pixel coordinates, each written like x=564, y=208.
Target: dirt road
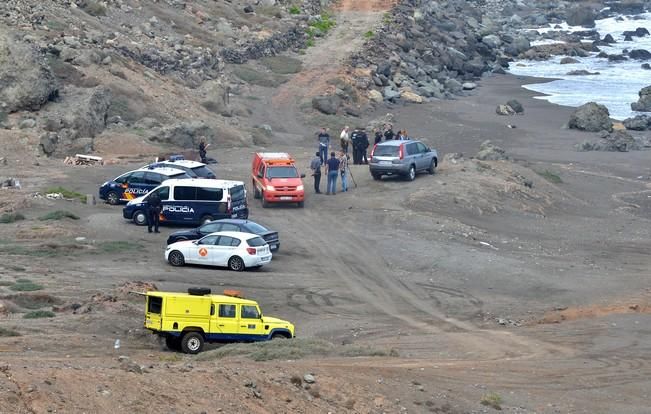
x=481, y=285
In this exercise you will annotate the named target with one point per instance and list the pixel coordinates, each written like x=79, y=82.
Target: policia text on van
x=193, y=201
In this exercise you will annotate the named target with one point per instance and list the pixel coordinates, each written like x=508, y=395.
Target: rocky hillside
x=75, y=75
x=138, y=75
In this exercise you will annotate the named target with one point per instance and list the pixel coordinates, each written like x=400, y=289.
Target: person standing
x=378, y=136
x=332, y=169
x=343, y=170
x=344, y=139
x=203, y=150
x=363, y=146
x=354, y=138
x=324, y=143
x=315, y=166
x=154, y=207
x=388, y=132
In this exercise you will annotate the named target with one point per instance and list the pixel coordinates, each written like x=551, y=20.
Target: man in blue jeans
x=324, y=142
x=332, y=170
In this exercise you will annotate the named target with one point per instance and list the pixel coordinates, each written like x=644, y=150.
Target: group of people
x=337, y=164
x=388, y=134
x=358, y=140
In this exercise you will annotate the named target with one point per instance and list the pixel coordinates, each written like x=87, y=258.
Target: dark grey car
x=404, y=158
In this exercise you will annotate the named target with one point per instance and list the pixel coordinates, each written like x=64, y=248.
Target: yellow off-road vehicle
x=187, y=320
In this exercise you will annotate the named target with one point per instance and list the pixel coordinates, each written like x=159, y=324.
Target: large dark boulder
x=591, y=117
x=644, y=103
x=639, y=54
x=638, y=123
x=581, y=16
x=186, y=135
x=327, y=104
x=26, y=81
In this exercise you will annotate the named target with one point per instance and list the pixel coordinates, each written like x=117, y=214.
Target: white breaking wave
x=617, y=84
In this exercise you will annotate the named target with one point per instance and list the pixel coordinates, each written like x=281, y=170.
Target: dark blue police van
x=193, y=201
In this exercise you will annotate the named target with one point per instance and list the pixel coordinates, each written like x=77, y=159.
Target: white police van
x=193, y=201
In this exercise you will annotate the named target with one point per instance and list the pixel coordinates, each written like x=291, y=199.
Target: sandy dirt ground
x=538, y=294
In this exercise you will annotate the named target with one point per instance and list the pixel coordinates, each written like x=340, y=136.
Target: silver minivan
x=404, y=158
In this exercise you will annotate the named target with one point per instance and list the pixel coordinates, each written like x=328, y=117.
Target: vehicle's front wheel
x=278, y=336
x=112, y=198
x=256, y=191
x=300, y=204
x=432, y=166
x=173, y=343
x=140, y=217
x=236, y=264
x=411, y=175
x=192, y=343
x=175, y=258
x=376, y=176
x=205, y=219
x=265, y=203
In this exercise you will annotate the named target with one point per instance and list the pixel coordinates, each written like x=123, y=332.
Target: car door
x=164, y=194
x=412, y=154
x=224, y=250
x=224, y=321
x=136, y=186
x=204, y=252
x=424, y=159
x=250, y=321
x=206, y=229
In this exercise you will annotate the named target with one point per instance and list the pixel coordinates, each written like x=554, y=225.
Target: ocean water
x=617, y=84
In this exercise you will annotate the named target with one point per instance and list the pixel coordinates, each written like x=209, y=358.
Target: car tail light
x=251, y=250
x=401, y=151
x=373, y=150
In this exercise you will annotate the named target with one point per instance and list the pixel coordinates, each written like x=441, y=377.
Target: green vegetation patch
x=550, y=176
x=294, y=10
x=283, y=349
x=369, y=34
x=492, y=400
x=282, y=65
x=117, y=246
x=6, y=332
x=25, y=285
x=39, y=314
x=59, y=215
x=34, y=301
x=42, y=250
x=69, y=194
x=11, y=218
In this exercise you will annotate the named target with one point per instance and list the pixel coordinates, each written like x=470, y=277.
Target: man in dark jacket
x=354, y=139
x=378, y=136
x=363, y=146
x=154, y=207
x=388, y=132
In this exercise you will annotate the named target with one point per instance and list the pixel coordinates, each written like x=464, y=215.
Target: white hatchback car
x=231, y=249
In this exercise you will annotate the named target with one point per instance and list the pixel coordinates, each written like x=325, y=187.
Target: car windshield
x=255, y=228
x=203, y=172
x=282, y=172
x=386, y=151
x=237, y=193
x=256, y=242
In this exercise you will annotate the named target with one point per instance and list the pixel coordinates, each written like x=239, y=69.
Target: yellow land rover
x=187, y=320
